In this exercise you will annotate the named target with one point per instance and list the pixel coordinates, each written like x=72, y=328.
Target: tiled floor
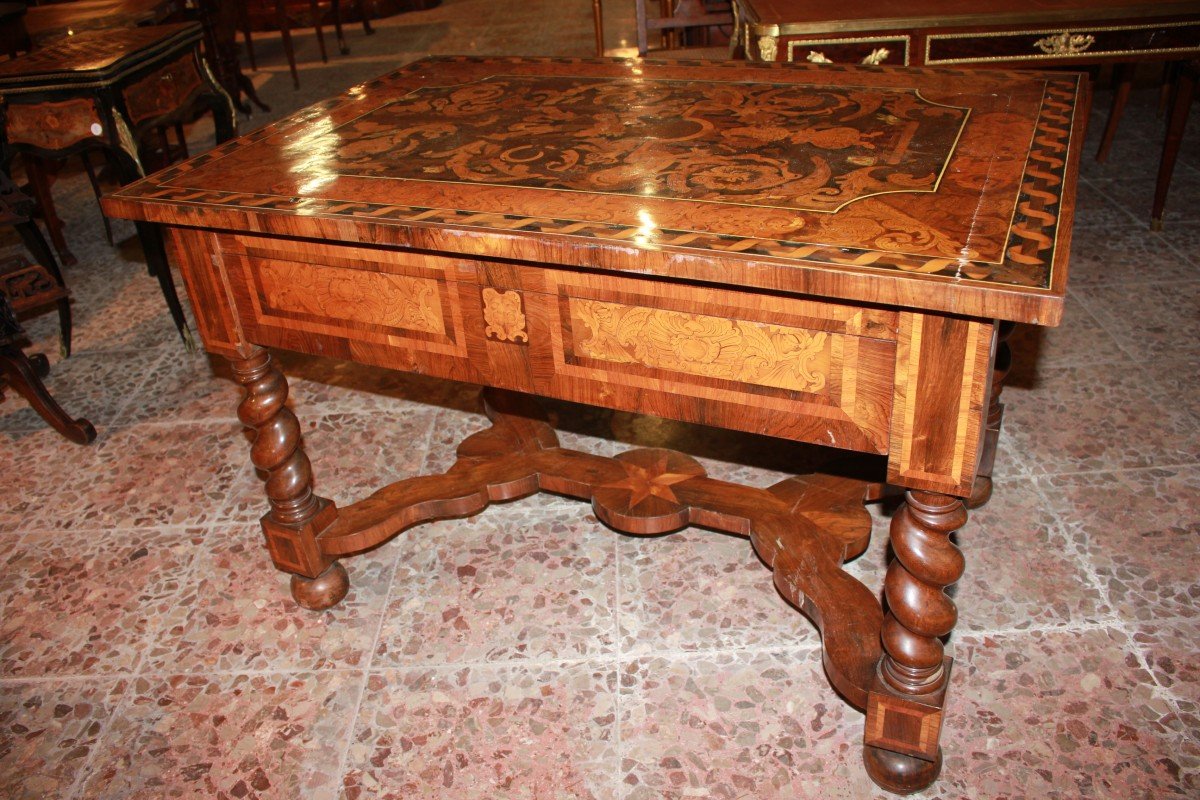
x=147, y=649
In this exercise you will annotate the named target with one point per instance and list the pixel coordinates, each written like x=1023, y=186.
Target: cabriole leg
x=904, y=708
x=297, y=516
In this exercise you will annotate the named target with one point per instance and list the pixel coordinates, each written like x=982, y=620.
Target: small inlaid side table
x=828, y=255
x=106, y=90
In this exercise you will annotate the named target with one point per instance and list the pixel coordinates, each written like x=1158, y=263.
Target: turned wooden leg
x=297, y=516
x=598, y=22
x=1122, y=84
x=981, y=492
x=1181, y=105
x=904, y=708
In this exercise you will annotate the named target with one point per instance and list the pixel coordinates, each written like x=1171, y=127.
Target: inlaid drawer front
x=53, y=126
x=890, y=50
x=355, y=294
x=1063, y=44
x=163, y=90
x=785, y=366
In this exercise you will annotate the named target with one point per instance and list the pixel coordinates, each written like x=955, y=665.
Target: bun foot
x=324, y=591
x=900, y=773
x=981, y=492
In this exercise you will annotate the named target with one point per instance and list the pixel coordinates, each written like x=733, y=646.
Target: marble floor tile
x=141, y=475
x=184, y=387
x=352, y=455
x=1141, y=532
x=1016, y=527
x=89, y=603
x=93, y=385
x=1098, y=417
x=530, y=580
x=249, y=737
x=698, y=591
x=1081, y=339
x=1172, y=649
x=735, y=725
x=1124, y=254
x=1060, y=715
x=1149, y=321
x=236, y=612
x=1096, y=211
x=525, y=732
x=49, y=731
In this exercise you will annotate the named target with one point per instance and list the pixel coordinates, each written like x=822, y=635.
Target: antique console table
x=999, y=33
x=823, y=255
x=105, y=90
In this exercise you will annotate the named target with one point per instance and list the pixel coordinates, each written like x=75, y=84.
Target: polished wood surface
x=876, y=193
x=823, y=255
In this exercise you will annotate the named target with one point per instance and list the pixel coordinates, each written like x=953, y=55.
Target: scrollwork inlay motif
x=696, y=344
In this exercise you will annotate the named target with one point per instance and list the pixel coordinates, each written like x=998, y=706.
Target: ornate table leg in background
x=904, y=708
x=297, y=516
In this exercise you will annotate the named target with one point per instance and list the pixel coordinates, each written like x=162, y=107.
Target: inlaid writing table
x=105, y=90
x=823, y=255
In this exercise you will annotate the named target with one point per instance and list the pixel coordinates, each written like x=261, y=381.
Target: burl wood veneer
x=830, y=256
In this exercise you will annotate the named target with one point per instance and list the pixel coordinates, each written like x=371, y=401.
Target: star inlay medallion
x=648, y=491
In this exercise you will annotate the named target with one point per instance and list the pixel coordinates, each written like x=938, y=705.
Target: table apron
x=868, y=379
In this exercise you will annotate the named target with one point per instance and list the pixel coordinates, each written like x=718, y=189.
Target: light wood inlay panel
x=695, y=344
x=53, y=126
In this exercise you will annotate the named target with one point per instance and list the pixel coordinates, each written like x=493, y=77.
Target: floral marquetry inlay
x=775, y=145
x=695, y=344
x=504, y=316
x=372, y=298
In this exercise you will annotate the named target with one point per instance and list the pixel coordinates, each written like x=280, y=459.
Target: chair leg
x=244, y=19
x=361, y=5
x=343, y=48
x=1181, y=105
x=32, y=238
x=39, y=184
x=21, y=373
x=598, y=20
x=316, y=15
x=285, y=31
x=91, y=173
x=183, y=148
x=1123, y=82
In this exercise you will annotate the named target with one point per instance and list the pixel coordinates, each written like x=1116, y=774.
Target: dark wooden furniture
x=107, y=90
x=14, y=37
x=999, y=34
x=676, y=17
x=824, y=255
x=283, y=14
x=26, y=287
x=47, y=23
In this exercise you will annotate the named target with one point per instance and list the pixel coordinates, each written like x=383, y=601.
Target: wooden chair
x=283, y=13
x=1179, y=86
x=675, y=16
x=25, y=286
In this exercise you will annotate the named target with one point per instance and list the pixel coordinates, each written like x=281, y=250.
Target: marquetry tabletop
x=93, y=57
x=943, y=190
